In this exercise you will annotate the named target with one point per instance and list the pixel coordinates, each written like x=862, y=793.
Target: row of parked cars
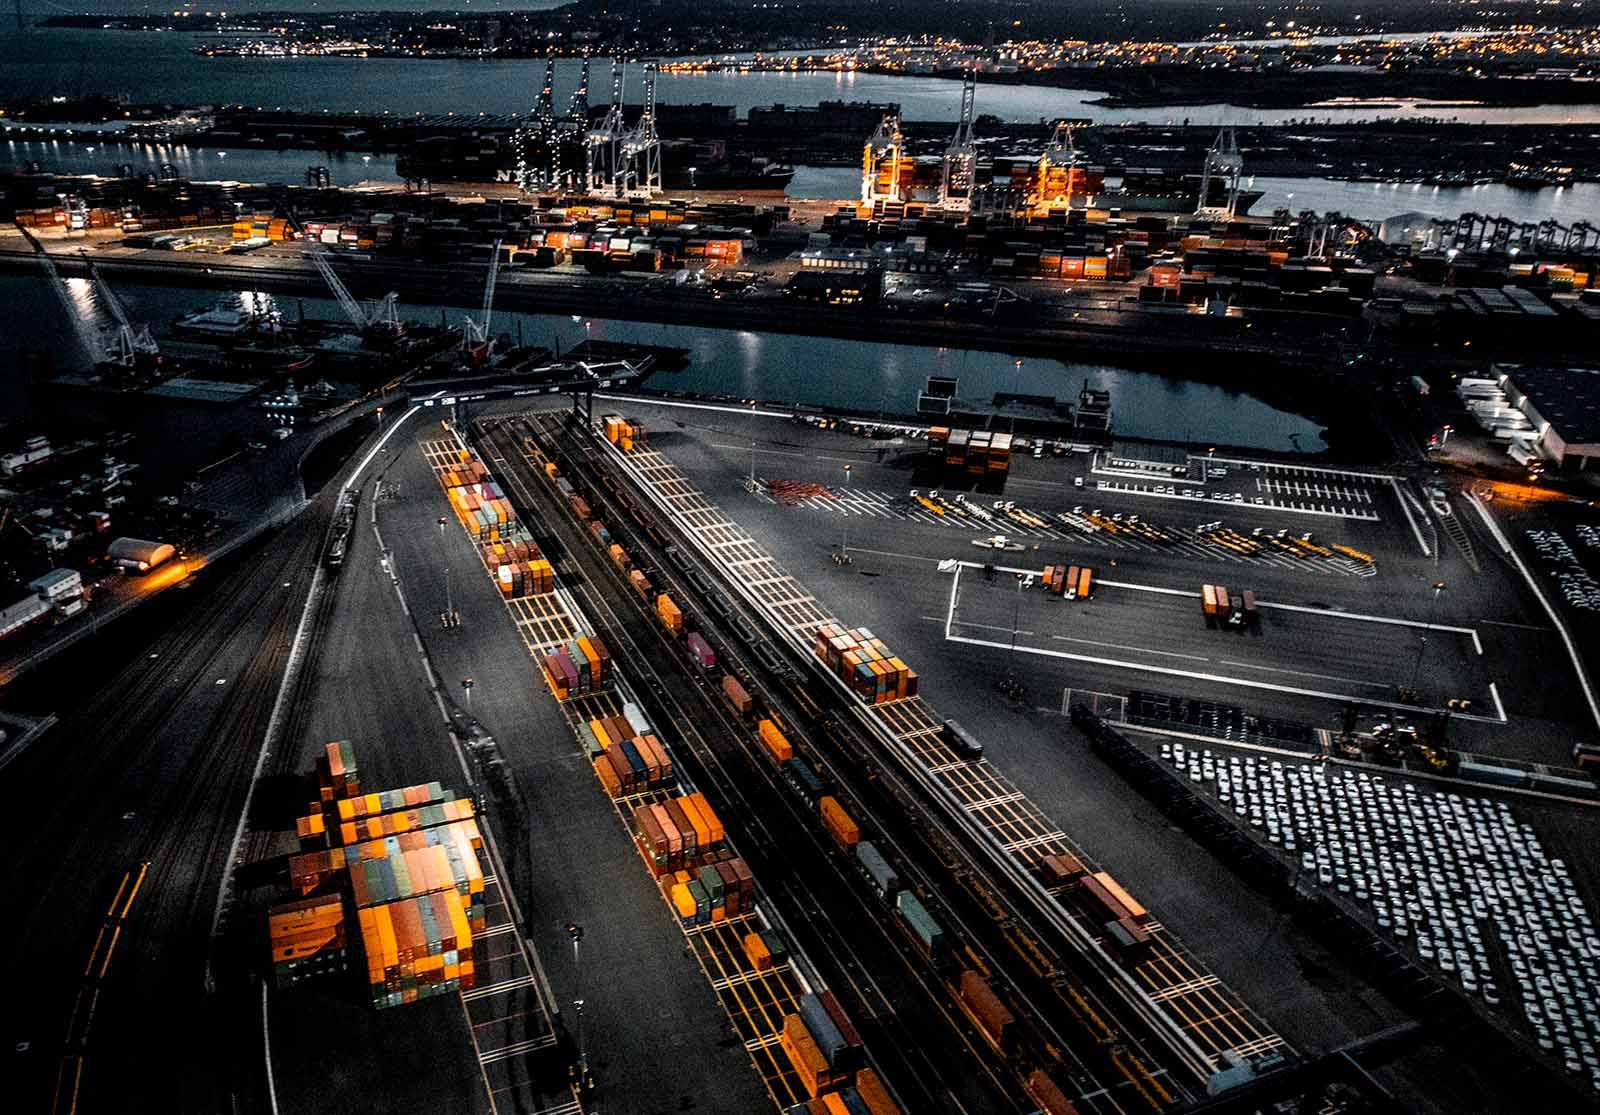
x=1459, y=877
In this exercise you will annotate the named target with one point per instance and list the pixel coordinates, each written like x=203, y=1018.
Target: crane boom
x=129, y=341
x=93, y=343
x=476, y=332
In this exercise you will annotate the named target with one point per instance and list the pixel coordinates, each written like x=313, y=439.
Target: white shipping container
x=21, y=614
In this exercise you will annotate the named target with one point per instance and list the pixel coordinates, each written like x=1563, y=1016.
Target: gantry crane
x=537, y=146
x=605, y=143
x=642, y=147
x=884, y=147
x=1223, y=164
x=572, y=132
x=961, y=157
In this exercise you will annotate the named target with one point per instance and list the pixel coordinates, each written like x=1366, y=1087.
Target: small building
x=840, y=288
x=1564, y=406
x=137, y=555
x=58, y=584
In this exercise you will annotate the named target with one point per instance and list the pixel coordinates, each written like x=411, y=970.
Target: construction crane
x=128, y=342
x=961, y=157
x=475, y=333
x=1224, y=164
x=884, y=148
x=381, y=315
x=92, y=340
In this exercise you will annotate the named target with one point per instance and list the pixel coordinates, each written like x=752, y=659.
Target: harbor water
x=159, y=66
x=781, y=368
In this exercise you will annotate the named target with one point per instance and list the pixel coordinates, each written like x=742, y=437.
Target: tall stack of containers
x=336, y=771
x=713, y=892
x=408, y=860
x=682, y=833
x=307, y=937
x=865, y=663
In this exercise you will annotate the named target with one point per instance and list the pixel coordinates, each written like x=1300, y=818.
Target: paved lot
x=887, y=589
x=652, y=1025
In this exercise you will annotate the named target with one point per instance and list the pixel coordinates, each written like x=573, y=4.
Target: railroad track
x=992, y=936
x=187, y=831
x=711, y=756
x=1192, y=1019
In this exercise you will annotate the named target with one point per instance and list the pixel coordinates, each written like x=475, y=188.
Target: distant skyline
x=36, y=10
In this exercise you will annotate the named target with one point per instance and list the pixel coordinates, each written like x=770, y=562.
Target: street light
x=1422, y=645
x=466, y=687
x=575, y=932
x=844, y=522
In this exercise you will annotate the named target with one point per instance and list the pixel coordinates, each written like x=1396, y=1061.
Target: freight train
x=344, y=521
x=922, y=929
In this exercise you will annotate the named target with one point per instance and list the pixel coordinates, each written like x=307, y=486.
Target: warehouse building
x=1564, y=406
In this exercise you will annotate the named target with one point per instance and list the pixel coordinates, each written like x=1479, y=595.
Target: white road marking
x=1122, y=646
x=1301, y=673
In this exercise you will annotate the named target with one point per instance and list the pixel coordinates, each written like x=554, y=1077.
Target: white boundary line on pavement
x=1416, y=531
x=1527, y=575
x=274, y=720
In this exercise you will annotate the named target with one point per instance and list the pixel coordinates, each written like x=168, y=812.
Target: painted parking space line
x=1301, y=673
x=1200, y=675
x=1115, y=646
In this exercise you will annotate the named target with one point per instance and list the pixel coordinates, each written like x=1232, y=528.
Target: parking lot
x=1160, y=631
x=1462, y=880
x=1557, y=559
x=1006, y=521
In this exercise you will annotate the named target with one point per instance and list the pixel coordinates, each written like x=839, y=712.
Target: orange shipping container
x=713, y=822
x=840, y=824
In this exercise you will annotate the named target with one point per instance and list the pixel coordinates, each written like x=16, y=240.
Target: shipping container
x=1085, y=577
x=798, y=773
x=700, y=651
x=820, y=1025
x=924, y=929
x=840, y=824
x=1051, y=1100
x=876, y=869
x=735, y=696
x=985, y=1008
x=669, y=613
x=777, y=744
x=872, y=1092
x=1061, y=868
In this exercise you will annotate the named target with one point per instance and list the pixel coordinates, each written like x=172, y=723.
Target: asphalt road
x=655, y=1035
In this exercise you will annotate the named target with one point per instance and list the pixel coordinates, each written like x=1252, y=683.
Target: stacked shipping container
x=407, y=861
x=865, y=664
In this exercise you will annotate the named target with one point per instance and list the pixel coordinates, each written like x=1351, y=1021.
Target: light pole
x=449, y=608
x=575, y=932
x=466, y=687
x=844, y=522
x=752, y=446
x=1422, y=644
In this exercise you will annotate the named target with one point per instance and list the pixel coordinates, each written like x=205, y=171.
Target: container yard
x=708, y=889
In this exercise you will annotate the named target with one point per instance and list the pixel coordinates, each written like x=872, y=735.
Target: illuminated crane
x=536, y=142
x=641, y=149
x=961, y=157
x=572, y=131
x=1224, y=164
x=880, y=162
x=605, y=162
